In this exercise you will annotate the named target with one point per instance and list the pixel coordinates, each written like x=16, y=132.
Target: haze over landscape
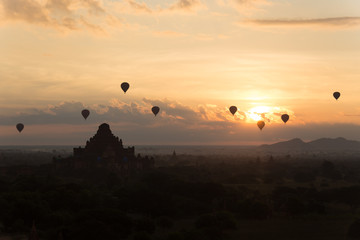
x=194, y=59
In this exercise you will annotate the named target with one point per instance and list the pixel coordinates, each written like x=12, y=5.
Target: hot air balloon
x=261, y=124
x=125, y=86
x=85, y=113
x=285, y=117
x=233, y=109
x=336, y=95
x=19, y=127
x=155, y=110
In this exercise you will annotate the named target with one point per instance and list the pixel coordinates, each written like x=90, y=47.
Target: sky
x=192, y=58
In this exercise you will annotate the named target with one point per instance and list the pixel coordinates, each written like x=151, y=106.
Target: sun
x=255, y=112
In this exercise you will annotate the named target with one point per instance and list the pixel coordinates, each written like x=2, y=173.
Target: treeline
x=180, y=202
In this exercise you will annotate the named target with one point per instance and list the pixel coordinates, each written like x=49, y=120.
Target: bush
x=145, y=225
x=354, y=230
x=220, y=220
x=141, y=236
x=164, y=222
x=250, y=209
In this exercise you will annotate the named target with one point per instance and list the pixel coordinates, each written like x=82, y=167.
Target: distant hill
x=319, y=145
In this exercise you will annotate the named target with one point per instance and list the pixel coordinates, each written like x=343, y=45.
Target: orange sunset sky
x=192, y=58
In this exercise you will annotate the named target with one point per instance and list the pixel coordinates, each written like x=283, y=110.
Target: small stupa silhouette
x=33, y=233
x=174, y=157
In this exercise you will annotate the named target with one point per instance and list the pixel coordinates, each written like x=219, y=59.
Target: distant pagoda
x=104, y=150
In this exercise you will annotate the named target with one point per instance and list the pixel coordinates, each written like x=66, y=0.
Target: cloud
x=139, y=112
x=338, y=22
x=175, y=124
x=244, y=6
x=185, y=5
x=63, y=15
x=135, y=120
x=26, y=10
x=96, y=16
x=140, y=7
x=68, y=6
x=179, y=6
x=135, y=112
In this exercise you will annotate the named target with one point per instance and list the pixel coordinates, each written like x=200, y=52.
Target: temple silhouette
x=105, y=151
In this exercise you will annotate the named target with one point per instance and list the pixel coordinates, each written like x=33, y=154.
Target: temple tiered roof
x=103, y=140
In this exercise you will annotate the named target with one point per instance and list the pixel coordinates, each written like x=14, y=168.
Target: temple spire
x=33, y=233
x=60, y=235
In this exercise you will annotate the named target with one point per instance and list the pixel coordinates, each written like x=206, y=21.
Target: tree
x=354, y=230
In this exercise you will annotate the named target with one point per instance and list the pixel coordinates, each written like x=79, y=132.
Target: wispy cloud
x=63, y=15
x=26, y=10
x=177, y=6
x=92, y=6
x=250, y=2
x=245, y=6
x=337, y=22
x=139, y=7
x=185, y=5
x=79, y=15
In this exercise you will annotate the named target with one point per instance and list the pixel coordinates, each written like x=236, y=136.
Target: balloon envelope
x=285, y=117
x=125, y=86
x=19, y=127
x=155, y=110
x=336, y=95
x=85, y=113
x=261, y=124
x=233, y=109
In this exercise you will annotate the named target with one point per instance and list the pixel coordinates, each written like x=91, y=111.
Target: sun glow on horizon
x=256, y=112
